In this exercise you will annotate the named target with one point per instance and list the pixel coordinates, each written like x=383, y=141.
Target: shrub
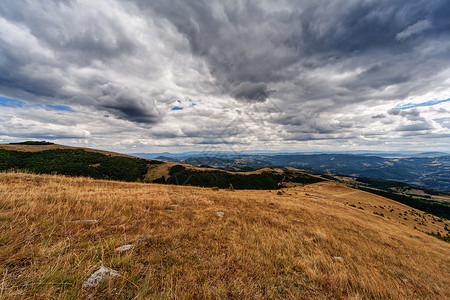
x=176, y=169
x=160, y=180
x=440, y=236
x=33, y=143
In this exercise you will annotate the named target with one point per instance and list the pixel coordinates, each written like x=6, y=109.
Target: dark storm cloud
x=20, y=75
x=78, y=39
x=404, y=113
x=381, y=76
x=256, y=43
x=415, y=127
x=252, y=44
x=316, y=59
x=128, y=105
x=60, y=39
x=251, y=92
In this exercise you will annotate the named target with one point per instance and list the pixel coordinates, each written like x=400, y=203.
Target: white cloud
x=414, y=29
x=303, y=75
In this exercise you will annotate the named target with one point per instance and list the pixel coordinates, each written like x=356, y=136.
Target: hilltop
x=321, y=240
x=43, y=146
x=44, y=158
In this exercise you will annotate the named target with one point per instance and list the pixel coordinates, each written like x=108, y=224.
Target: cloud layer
x=152, y=75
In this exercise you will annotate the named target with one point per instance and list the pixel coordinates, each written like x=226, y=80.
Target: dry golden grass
x=266, y=245
x=157, y=171
x=393, y=211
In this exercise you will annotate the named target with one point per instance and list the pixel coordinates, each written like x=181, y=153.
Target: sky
x=155, y=76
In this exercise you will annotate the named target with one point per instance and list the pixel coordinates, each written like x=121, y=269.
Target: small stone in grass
x=99, y=276
x=124, y=248
x=221, y=214
x=338, y=258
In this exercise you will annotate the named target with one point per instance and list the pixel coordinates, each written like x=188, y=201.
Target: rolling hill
x=45, y=158
x=48, y=158
x=319, y=241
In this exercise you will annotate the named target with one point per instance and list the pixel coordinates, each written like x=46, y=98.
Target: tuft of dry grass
x=265, y=246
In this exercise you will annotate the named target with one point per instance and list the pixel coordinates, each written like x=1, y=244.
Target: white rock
x=338, y=258
x=124, y=248
x=98, y=276
x=221, y=214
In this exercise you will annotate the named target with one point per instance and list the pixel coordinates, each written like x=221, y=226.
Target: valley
x=428, y=170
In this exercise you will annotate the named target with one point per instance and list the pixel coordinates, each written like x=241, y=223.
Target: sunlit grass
x=265, y=246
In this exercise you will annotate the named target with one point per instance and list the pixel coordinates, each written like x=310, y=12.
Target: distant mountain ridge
x=430, y=170
x=233, y=154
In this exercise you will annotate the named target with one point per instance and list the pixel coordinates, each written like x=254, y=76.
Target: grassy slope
x=37, y=148
x=372, y=203
x=432, y=201
x=76, y=162
x=266, y=246
x=57, y=159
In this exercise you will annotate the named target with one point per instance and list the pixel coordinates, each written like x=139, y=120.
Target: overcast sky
x=153, y=76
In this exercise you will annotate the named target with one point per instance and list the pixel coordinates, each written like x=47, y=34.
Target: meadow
x=189, y=242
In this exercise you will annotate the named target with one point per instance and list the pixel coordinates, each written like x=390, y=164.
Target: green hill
x=76, y=162
x=104, y=165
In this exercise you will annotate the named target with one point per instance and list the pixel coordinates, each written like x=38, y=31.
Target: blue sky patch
x=8, y=102
x=426, y=103
x=58, y=107
x=182, y=104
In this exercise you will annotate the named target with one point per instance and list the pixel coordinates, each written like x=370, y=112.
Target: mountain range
x=430, y=170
